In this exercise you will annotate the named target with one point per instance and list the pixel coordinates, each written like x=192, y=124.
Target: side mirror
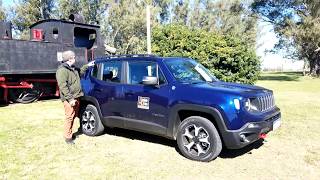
x=150, y=80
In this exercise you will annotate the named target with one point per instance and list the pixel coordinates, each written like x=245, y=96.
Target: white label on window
x=149, y=70
x=143, y=102
x=203, y=73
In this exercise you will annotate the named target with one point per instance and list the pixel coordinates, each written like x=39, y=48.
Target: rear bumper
x=249, y=133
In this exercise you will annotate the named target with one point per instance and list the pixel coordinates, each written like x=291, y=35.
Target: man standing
x=68, y=78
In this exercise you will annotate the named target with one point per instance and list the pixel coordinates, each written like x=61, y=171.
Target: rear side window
x=112, y=71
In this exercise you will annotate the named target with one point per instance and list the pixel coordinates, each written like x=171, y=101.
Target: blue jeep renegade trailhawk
x=176, y=98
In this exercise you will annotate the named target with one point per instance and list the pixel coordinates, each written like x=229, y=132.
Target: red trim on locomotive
x=26, y=84
x=13, y=85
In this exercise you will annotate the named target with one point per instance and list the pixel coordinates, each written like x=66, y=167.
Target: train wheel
x=25, y=96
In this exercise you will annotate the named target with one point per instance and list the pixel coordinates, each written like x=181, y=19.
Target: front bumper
x=249, y=133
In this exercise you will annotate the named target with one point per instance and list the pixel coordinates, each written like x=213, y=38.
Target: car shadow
x=135, y=135
x=233, y=153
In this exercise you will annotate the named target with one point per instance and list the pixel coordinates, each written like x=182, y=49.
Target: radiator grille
x=265, y=102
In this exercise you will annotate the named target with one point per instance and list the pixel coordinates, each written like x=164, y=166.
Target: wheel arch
x=182, y=111
x=85, y=100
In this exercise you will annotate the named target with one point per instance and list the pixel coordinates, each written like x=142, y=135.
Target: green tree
x=228, y=57
x=2, y=12
x=125, y=26
x=89, y=9
x=234, y=17
x=297, y=24
x=181, y=12
x=163, y=9
x=28, y=12
x=67, y=7
x=226, y=17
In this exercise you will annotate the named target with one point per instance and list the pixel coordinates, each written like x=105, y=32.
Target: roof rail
x=129, y=55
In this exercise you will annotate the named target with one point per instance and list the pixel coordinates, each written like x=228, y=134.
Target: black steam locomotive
x=27, y=68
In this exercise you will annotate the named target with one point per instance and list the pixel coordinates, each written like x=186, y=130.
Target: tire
x=90, y=122
x=25, y=96
x=198, y=139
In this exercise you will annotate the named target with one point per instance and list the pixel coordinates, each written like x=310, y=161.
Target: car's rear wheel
x=90, y=121
x=198, y=139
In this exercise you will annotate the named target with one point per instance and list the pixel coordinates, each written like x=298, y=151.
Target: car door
x=108, y=88
x=145, y=106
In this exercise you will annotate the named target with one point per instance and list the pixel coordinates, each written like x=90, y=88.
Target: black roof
x=63, y=21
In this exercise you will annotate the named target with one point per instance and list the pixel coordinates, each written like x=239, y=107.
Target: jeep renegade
x=177, y=98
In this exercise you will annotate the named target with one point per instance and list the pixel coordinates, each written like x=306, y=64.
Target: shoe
x=74, y=136
x=69, y=141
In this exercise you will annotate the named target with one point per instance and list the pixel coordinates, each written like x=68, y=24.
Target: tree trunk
x=315, y=67
x=305, y=67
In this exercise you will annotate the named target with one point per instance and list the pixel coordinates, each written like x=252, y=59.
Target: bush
x=229, y=58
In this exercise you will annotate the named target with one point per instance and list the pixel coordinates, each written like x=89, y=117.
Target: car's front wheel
x=90, y=121
x=198, y=139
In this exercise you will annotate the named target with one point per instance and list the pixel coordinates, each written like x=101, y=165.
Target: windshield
x=189, y=71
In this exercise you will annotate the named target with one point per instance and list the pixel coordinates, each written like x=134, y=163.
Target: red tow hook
x=262, y=136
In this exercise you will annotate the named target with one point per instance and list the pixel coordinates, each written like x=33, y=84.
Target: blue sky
x=6, y=3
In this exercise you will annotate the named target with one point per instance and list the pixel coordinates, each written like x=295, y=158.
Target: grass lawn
x=32, y=145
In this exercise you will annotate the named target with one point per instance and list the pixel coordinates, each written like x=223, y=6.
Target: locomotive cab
x=71, y=33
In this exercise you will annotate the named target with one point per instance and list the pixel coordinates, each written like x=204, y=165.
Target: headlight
x=236, y=103
x=251, y=107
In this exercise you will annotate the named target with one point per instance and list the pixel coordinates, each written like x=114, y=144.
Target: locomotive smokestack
x=76, y=18
x=5, y=30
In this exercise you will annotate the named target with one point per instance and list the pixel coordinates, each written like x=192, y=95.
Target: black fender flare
x=91, y=100
x=174, y=120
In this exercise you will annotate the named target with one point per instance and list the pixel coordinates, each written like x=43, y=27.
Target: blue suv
x=176, y=98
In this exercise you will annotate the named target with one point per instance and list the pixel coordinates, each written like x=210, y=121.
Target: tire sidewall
x=214, y=138
x=97, y=124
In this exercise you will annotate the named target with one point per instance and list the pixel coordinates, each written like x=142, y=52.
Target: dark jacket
x=68, y=79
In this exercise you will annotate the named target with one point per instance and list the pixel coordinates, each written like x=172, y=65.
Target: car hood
x=233, y=88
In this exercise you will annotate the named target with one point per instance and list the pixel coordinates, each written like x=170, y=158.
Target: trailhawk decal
x=143, y=102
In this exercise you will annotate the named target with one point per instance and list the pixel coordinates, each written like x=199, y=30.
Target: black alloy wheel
x=90, y=122
x=198, y=139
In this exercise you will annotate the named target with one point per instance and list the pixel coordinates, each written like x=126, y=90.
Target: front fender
x=174, y=120
x=91, y=100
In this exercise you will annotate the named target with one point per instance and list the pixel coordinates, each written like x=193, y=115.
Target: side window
x=84, y=37
x=137, y=70
x=112, y=71
x=162, y=79
x=55, y=33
